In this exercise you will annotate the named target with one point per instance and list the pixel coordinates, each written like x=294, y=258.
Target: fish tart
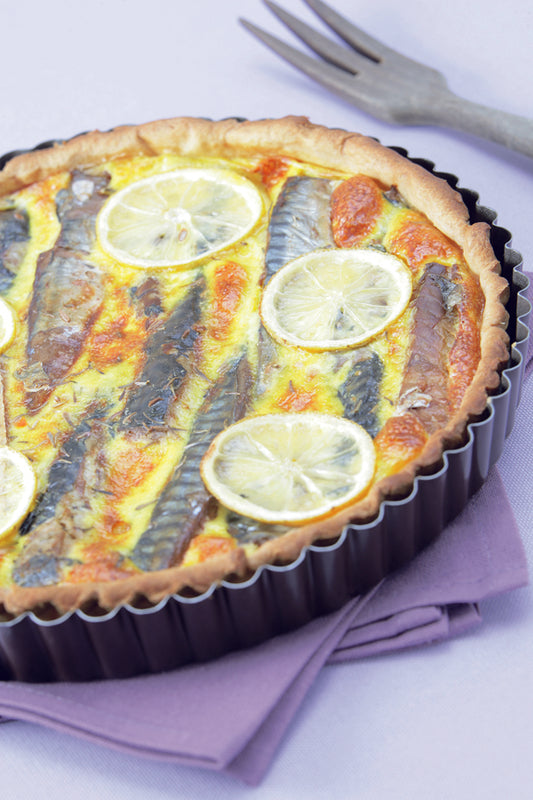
x=121, y=375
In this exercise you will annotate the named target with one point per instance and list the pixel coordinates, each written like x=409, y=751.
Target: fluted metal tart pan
x=181, y=629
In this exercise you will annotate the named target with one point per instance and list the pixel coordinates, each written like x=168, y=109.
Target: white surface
x=450, y=721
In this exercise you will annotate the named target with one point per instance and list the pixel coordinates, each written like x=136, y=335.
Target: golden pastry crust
x=332, y=149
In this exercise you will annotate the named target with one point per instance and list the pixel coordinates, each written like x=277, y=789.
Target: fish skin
x=53, y=524
x=14, y=238
x=268, y=361
x=300, y=221
x=67, y=297
x=360, y=392
x=61, y=477
x=424, y=389
x=185, y=504
x=45, y=530
x=147, y=296
x=291, y=235
x=69, y=290
x=40, y=569
x=163, y=373
x=394, y=197
x=77, y=207
x=43, y=558
x=251, y=531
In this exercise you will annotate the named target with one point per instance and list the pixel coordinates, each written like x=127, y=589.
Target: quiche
x=229, y=340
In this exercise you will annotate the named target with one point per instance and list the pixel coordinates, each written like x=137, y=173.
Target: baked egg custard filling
x=126, y=365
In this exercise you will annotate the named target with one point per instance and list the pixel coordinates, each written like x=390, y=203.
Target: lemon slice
x=17, y=489
x=7, y=325
x=289, y=468
x=178, y=218
x=335, y=299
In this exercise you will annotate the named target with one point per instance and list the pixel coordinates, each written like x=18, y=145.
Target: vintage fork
x=385, y=83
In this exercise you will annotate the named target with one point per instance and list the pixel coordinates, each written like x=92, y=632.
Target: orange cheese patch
x=272, y=170
x=414, y=239
x=100, y=566
x=205, y=546
x=229, y=284
x=400, y=440
x=356, y=207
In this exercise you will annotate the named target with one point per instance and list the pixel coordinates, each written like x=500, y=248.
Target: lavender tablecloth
x=450, y=720
x=231, y=714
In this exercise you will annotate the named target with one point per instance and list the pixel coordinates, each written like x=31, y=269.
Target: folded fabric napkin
x=212, y=715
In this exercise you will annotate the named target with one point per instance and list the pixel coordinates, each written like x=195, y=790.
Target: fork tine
x=351, y=34
x=326, y=74
x=328, y=49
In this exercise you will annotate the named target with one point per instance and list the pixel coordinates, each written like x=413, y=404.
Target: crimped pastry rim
x=350, y=152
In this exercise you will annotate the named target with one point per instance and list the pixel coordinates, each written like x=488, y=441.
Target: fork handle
x=510, y=130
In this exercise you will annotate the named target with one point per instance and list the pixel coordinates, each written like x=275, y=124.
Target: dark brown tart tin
x=181, y=629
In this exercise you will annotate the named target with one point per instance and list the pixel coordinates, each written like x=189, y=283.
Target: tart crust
x=292, y=137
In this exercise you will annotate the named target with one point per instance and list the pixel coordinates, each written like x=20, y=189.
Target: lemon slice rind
x=335, y=299
x=17, y=490
x=7, y=326
x=178, y=218
x=289, y=468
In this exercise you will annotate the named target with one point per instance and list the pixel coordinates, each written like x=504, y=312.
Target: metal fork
x=385, y=83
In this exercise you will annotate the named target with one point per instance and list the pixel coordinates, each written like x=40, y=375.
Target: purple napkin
x=231, y=714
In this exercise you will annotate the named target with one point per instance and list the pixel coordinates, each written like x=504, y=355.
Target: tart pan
x=133, y=640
